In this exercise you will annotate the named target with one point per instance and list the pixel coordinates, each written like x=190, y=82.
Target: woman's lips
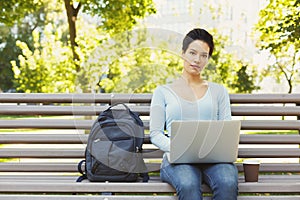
x=197, y=67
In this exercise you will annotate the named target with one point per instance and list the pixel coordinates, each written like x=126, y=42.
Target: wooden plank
x=53, y=167
x=61, y=138
x=73, y=98
x=270, y=124
x=272, y=187
x=86, y=124
x=134, y=97
x=269, y=139
x=71, y=178
x=265, y=110
x=88, y=197
x=129, y=197
x=57, y=138
x=38, y=167
x=63, y=110
x=148, y=153
x=275, y=167
x=269, y=153
x=265, y=98
x=96, y=187
x=46, y=124
x=72, y=167
x=93, y=110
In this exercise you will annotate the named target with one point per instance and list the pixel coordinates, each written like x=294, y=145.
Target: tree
x=47, y=68
x=279, y=35
x=21, y=30
x=139, y=60
x=139, y=65
x=223, y=67
x=16, y=10
x=115, y=16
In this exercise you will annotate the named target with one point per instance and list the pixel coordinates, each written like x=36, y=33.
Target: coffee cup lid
x=251, y=162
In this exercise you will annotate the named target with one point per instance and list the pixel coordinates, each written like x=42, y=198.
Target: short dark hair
x=198, y=34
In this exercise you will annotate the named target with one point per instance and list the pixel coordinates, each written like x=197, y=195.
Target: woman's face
x=196, y=57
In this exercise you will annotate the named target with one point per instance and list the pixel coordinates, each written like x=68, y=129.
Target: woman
x=191, y=97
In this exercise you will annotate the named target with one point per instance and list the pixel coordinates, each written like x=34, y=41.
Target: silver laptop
x=204, y=141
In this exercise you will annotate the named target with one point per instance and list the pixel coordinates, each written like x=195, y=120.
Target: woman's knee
x=189, y=190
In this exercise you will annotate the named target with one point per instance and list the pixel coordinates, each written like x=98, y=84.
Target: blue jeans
x=222, y=178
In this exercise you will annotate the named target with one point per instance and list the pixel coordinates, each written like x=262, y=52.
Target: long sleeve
x=157, y=121
x=224, y=105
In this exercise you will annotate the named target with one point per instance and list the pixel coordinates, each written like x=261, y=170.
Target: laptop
x=204, y=141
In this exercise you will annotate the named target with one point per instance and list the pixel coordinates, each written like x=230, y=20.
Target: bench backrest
x=64, y=120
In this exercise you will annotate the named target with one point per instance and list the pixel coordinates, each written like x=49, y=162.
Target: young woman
x=190, y=97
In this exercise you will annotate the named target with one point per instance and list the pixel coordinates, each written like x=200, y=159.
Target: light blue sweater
x=167, y=106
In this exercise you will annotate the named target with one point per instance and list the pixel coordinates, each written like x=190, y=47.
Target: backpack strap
x=79, y=167
x=113, y=105
x=81, y=178
x=145, y=177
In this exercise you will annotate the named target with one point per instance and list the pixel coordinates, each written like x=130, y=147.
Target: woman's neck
x=192, y=80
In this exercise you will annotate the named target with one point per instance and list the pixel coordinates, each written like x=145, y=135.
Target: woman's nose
x=197, y=59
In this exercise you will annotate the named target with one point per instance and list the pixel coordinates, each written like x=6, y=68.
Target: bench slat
x=66, y=178
x=63, y=110
x=93, y=110
x=46, y=124
x=270, y=125
x=89, y=197
x=94, y=187
x=86, y=124
x=265, y=110
x=135, y=98
x=60, y=138
x=74, y=98
x=148, y=153
x=139, y=197
x=269, y=139
x=72, y=167
x=265, y=98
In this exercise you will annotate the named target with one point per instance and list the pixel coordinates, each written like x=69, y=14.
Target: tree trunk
x=72, y=16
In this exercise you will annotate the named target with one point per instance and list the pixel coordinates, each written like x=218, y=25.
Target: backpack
x=114, y=148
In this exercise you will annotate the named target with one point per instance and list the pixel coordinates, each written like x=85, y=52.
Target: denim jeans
x=222, y=178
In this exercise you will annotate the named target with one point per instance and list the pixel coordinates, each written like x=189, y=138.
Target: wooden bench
x=43, y=136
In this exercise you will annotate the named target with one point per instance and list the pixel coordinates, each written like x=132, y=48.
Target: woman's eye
x=192, y=53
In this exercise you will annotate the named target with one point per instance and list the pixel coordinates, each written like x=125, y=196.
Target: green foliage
x=225, y=69
x=279, y=34
x=21, y=30
x=118, y=16
x=138, y=66
x=111, y=59
x=48, y=68
x=32, y=76
x=15, y=10
x=92, y=54
x=243, y=82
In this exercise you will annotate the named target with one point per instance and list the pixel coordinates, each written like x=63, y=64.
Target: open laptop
x=204, y=141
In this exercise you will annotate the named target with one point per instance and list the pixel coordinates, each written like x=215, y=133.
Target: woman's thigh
x=222, y=172
x=222, y=179
x=180, y=174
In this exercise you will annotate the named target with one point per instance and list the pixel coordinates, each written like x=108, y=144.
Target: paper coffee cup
x=251, y=170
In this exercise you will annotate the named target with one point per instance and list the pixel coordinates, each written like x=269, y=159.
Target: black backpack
x=114, y=148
